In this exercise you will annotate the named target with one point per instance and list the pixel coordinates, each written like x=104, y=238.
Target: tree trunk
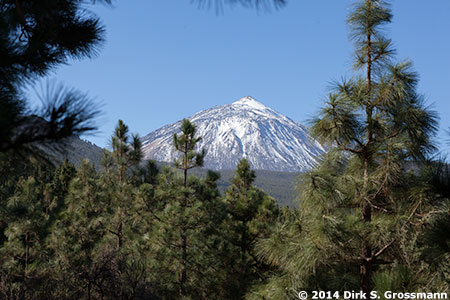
x=183, y=276
x=25, y=270
x=27, y=254
x=119, y=236
x=365, y=267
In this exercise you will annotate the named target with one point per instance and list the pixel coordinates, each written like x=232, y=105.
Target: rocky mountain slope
x=243, y=129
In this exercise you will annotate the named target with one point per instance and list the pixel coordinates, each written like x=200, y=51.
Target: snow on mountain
x=243, y=129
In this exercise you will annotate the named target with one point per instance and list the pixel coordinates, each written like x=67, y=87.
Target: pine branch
x=345, y=148
x=382, y=250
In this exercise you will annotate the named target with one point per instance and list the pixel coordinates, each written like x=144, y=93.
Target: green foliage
x=251, y=215
x=151, y=172
x=27, y=214
x=434, y=242
x=96, y=241
x=185, y=143
x=125, y=153
x=186, y=232
x=22, y=251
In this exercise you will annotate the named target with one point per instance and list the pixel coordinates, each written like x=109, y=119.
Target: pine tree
x=251, y=214
x=126, y=154
x=357, y=208
x=150, y=172
x=187, y=233
x=251, y=210
x=186, y=143
x=76, y=234
x=434, y=241
x=27, y=215
x=23, y=251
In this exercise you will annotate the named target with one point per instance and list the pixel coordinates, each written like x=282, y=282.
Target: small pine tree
x=126, y=154
x=251, y=214
x=185, y=143
x=151, y=172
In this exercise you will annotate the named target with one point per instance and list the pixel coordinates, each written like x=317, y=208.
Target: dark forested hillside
x=279, y=185
x=74, y=149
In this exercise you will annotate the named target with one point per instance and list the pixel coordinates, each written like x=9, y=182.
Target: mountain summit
x=244, y=129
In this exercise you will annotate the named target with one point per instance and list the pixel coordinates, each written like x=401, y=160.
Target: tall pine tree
x=357, y=209
x=186, y=143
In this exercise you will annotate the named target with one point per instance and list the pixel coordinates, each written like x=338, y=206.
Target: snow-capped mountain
x=243, y=129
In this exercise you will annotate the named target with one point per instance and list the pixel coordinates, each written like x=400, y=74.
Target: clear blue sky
x=166, y=59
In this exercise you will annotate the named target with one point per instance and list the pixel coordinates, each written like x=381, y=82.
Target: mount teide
x=243, y=129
